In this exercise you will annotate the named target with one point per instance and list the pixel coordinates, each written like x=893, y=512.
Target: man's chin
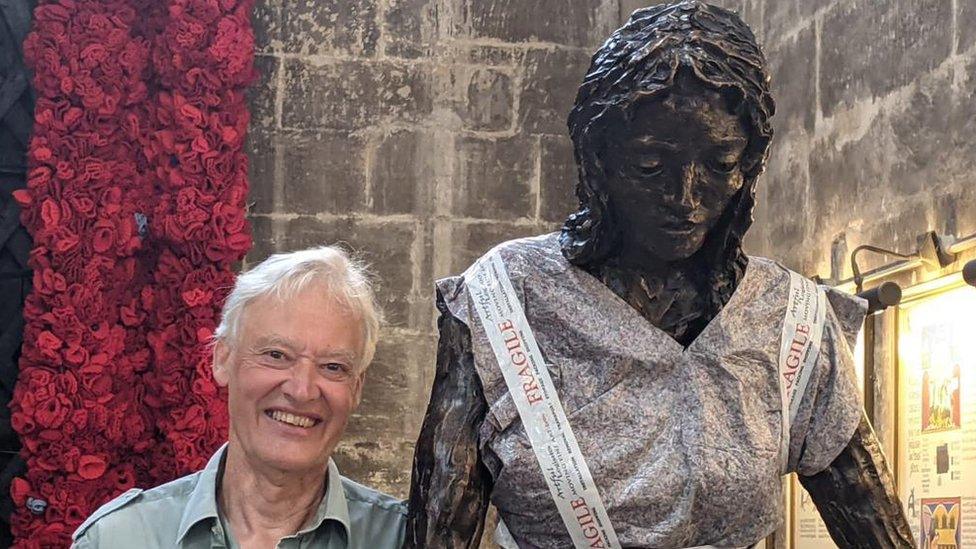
x=297, y=460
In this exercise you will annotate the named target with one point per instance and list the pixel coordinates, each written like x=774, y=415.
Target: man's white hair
x=286, y=275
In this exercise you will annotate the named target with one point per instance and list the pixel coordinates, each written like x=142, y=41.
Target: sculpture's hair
x=283, y=276
x=640, y=61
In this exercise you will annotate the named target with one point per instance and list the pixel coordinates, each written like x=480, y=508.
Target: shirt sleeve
x=87, y=540
x=831, y=406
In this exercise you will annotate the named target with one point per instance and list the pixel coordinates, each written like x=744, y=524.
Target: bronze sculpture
x=670, y=131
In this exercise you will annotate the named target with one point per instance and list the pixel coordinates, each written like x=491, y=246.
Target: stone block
x=266, y=22
x=355, y=94
x=751, y=12
x=386, y=246
x=261, y=170
x=756, y=241
x=923, y=138
x=466, y=242
x=557, y=179
x=934, y=137
x=550, y=80
x=322, y=172
x=628, y=7
x=966, y=24
x=794, y=82
x=261, y=97
x=870, y=47
x=849, y=172
x=400, y=170
x=370, y=459
x=263, y=237
x=493, y=177
x=487, y=102
x=329, y=26
x=782, y=17
x=896, y=230
x=410, y=28
x=478, y=54
x=786, y=189
x=397, y=385
x=582, y=23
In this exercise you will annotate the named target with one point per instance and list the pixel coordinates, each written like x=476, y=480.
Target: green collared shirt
x=183, y=514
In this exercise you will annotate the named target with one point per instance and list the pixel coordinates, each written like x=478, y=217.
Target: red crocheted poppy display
x=136, y=203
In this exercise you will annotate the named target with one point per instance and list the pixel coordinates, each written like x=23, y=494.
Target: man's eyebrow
x=273, y=339
x=337, y=353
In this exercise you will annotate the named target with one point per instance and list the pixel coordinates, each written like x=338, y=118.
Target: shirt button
x=218, y=535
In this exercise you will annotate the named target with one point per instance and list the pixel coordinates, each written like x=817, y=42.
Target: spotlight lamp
x=881, y=297
x=969, y=272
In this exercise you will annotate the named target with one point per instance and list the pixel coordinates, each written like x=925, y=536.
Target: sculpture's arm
x=856, y=496
x=450, y=485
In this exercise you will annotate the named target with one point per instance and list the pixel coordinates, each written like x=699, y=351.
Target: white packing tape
x=806, y=312
x=556, y=449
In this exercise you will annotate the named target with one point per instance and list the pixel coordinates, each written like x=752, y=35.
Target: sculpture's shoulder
x=771, y=270
x=144, y=518
x=848, y=310
x=522, y=258
x=529, y=254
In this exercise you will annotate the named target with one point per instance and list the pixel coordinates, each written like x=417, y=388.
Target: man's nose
x=300, y=385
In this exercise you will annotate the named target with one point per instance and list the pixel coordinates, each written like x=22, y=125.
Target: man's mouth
x=296, y=420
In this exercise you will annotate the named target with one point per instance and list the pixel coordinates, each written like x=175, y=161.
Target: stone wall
x=422, y=132
x=875, y=130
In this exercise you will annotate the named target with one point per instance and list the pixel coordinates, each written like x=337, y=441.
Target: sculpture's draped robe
x=683, y=443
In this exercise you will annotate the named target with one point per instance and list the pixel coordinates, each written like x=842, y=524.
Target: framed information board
x=936, y=416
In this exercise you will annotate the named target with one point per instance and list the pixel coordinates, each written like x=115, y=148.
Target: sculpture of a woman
x=663, y=339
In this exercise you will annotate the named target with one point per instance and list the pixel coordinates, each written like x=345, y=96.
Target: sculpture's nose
x=686, y=185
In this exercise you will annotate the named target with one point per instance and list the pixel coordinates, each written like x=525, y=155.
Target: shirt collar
x=333, y=505
x=203, y=499
x=202, y=503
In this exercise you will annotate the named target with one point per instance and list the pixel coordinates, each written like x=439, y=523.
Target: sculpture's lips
x=678, y=225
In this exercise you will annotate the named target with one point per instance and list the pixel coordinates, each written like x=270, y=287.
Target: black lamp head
x=969, y=272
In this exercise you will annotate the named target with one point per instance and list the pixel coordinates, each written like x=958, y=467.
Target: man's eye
x=275, y=355
x=334, y=368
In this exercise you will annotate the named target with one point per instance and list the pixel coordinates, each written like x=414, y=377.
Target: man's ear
x=221, y=363
x=358, y=389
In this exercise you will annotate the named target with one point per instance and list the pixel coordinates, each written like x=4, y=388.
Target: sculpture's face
x=672, y=171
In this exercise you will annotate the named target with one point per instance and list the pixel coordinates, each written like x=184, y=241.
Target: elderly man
x=295, y=337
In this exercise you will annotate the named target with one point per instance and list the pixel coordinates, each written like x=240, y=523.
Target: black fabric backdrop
x=16, y=120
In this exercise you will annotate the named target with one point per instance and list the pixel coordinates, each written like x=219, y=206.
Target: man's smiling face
x=293, y=378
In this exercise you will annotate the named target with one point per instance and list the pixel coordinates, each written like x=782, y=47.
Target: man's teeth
x=292, y=419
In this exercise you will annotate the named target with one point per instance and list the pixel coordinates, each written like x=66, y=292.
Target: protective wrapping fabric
x=683, y=443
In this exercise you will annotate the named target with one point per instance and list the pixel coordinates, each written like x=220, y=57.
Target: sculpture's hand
x=450, y=485
x=856, y=496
